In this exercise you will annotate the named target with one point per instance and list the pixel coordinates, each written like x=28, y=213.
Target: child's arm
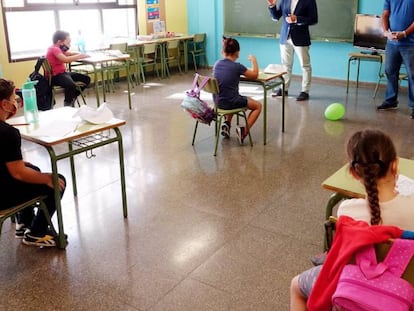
x=253, y=73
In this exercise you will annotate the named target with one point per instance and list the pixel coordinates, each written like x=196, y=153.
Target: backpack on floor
x=195, y=106
x=369, y=285
x=43, y=89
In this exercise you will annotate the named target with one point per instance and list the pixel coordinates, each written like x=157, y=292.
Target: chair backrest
x=150, y=48
x=211, y=86
x=47, y=70
x=199, y=38
x=119, y=46
x=173, y=44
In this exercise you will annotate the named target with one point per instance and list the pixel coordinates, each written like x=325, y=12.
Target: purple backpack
x=369, y=285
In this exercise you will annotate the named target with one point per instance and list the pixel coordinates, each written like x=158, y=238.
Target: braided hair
x=371, y=153
x=230, y=46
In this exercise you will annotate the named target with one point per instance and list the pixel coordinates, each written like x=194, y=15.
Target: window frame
x=56, y=7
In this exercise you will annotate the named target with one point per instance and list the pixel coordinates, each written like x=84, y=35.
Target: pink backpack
x=369, y=285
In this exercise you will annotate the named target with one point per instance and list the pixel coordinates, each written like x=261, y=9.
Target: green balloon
x=335, y=111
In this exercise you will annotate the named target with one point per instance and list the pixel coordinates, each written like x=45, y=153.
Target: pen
x=19, y=124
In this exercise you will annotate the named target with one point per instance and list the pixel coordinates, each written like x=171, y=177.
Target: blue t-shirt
x=228, y=74
x=401, y=17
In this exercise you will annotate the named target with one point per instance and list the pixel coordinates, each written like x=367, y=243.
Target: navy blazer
x=306, y=13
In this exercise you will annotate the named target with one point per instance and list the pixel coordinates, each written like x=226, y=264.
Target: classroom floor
x=203, y=232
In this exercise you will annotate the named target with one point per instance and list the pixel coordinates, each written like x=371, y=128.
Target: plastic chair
x=149, y=59
x=35, y=202
x=213, y=88
x=402, y=76
x=47, y=69
x=198, y=48
x=172, y=55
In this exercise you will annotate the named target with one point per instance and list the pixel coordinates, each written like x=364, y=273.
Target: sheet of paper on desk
x=405, y=185
x=56, y=128
x=274, y=68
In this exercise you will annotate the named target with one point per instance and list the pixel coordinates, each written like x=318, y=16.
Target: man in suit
x=297, y=16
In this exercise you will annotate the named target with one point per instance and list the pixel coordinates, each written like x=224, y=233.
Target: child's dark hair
x=6, y=89
x=230, y=46
x=371, y=153
x=59, y=35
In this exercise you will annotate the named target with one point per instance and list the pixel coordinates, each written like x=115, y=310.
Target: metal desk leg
x=185, y=51
x=61, y=242
x=122, y=170
x=128, y=77
x=95, y=82
x=359, y=63
x=264, y=114
x=350, y=59
x=379, y=77
x=72, y=169
x=283, y=104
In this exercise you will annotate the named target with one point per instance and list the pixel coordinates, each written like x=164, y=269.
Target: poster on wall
x=153, y=13
x=153, y=10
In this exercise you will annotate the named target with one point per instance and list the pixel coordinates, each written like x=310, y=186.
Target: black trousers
x=68, y=80
x=20, y=192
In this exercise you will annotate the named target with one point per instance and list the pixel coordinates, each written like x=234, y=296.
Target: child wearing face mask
x=59, y=55
x=21, y=181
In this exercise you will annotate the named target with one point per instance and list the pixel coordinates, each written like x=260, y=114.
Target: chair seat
x=12, y=211
x=230, y=111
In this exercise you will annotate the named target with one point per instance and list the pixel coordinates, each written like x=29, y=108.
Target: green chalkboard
x=252, y=18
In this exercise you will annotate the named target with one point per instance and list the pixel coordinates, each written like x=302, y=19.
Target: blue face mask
x=64, y=47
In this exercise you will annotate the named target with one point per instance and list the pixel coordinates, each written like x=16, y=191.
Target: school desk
x=162, y=42
x=81, y=137
x=99, y=60
x=269, y=81
x=345, y=186
x=358, y=57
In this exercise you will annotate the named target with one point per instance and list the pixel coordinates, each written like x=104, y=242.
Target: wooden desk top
x=264, y=77
x=159, y=40
x=374, y=57
x=342, y=181
x=63, y=116
x=101, y=57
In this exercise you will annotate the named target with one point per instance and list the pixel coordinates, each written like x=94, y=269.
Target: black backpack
x=43, y=89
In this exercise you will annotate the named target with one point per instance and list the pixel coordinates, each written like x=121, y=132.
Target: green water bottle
x=31, y=113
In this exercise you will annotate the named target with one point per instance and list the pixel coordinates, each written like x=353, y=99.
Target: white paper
x=95, y=115
x=55, y=128
x=405, y=185
x=274, y=68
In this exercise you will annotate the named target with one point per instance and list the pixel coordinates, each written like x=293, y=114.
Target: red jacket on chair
x=350, y=236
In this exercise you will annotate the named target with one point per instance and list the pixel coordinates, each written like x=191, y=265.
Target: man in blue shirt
x=297, y=16
x=398, y=26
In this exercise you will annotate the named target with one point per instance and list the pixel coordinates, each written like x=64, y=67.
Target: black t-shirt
x=10, y=150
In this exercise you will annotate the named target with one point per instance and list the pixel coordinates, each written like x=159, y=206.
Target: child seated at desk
x=374, y=162
x=58, y=55
x=227, y=72
x=21, y=181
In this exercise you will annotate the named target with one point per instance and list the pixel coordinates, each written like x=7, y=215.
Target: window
x=29, y=24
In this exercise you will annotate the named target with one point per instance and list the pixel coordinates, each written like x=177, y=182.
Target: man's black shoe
x=412, y=113
x=388, y=106
x=278, y=92
x=302, y=96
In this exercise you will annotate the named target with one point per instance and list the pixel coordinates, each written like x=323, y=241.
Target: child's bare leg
x=255, y=108
x=297, y=301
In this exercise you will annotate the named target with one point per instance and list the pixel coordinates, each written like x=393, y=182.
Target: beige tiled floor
x=203, y=232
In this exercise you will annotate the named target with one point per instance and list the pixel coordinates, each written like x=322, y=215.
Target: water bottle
x=31, y=113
